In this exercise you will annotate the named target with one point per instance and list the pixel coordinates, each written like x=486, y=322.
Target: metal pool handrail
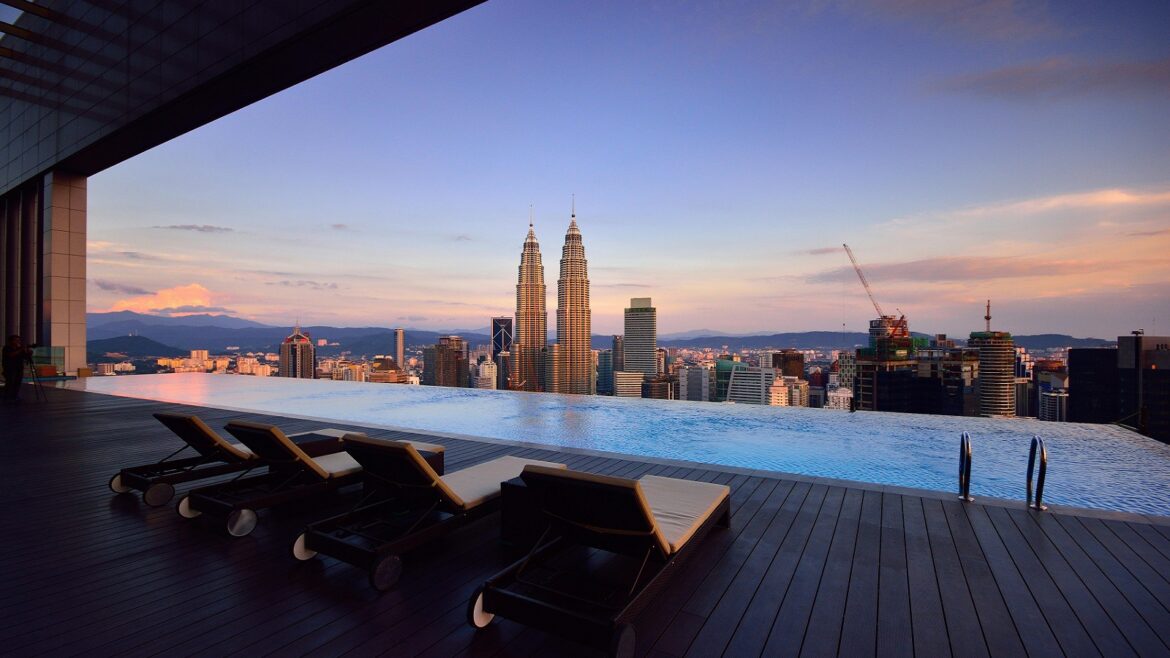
x=1038, y=504
x=965, y=468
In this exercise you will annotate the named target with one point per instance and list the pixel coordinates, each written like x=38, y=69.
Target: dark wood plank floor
x=807, y=568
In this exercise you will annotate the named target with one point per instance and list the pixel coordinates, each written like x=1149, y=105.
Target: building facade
x=751, y=385
x=694, y=383
x=997, y=372
x=531, y=318
x=605, y=372
x=628, y=384
x=574, y=329
x=298, y=357
x=640, y=341
x=400, y=348
x=501, y=336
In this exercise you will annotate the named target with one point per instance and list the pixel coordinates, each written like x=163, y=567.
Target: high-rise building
x=400, y=348
x=298, y=357
x=445, y=364
x=694, y=383
x=1143, y=384
x=504, y=365
x=640, y=342
x=661, y=387
x=574, y=331
x=605, y=372
x=1092, y=385
x=486, y=375
x=628, y=384
x=619, y=353
x=789, y=363
x=662, y=361
x=1054, y=405
x=997, y=370
x=501, y=336
x=751, y=385
x=531, y=317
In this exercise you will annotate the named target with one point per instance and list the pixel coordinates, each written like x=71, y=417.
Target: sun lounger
x=407, y=504
x=216, y=456
x=645, y=529
x=292, y=475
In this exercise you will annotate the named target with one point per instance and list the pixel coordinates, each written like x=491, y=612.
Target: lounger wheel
x=476, y=616
x=158, y=494
x=623, y=641
x=185, y=510
x=385, y=572
x=116, y=485
x=241, y=522
x=300, y=551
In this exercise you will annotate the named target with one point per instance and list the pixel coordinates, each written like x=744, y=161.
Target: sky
x=719, y=154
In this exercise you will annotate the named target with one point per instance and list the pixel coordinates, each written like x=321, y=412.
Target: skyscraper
x=997, y=382
x=446, y=363
x=605, y=372
x=573, y=321
x=640, y=342
x=619, y=353
x=400, y=348
x=298, y=357
x=501, y=336
x=531, y=317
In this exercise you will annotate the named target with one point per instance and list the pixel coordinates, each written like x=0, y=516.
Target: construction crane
x=877, y=307
x=897, y=326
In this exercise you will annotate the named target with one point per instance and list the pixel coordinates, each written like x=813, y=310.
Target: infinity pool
x=1089, y=465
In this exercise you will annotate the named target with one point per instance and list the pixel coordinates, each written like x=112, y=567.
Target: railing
x=965, y=468
x=1037, y=442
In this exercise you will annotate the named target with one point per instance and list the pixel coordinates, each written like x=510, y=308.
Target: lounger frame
x=288, y=479
x=596, y=623
x=157, y=481
x=391, y=519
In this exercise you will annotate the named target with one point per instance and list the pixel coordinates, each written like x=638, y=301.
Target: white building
x=751, y=385
x=694, y=383
x=486, y=376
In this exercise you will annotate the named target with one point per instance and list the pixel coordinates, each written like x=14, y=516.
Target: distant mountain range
x=218, y=332
x=120, y=348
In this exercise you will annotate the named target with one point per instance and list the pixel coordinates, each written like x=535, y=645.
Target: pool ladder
x=965, y=468
x=1037, y=447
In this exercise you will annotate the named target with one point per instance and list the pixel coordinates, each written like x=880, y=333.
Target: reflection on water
x=1090, y=465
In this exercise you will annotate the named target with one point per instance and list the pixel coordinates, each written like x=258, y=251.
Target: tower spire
x=987, y=318
x=574, y=211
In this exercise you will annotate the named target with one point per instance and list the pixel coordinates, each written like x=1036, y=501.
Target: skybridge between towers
x=87, y=84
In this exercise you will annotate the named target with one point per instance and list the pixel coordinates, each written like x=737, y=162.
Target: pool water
x=1098, y=466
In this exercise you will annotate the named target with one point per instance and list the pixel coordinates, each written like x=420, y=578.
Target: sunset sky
x=720, y=153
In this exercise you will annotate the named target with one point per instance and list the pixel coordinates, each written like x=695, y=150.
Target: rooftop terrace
x=809, y=566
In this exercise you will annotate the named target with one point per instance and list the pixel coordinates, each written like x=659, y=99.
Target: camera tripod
x=38, y=386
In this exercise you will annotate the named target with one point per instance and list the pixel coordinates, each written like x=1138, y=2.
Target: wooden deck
x=807, y=568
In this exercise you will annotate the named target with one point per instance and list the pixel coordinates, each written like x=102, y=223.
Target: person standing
x=15, y=355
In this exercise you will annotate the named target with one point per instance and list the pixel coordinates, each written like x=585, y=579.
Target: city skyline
x=1016, y=155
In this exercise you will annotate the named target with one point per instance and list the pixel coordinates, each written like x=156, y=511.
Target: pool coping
x=932, y=494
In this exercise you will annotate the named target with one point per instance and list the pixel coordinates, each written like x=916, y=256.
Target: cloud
x=822, y=251
x=1148, y=234
x=315, y=285
x=339, y=227
x=120, y=287
x=621, y=285
x=137, y=255
x=412, y=318
x=189, y=309
x=1096, y=200
x=202, y=228
x=967, y=268
x=1063, y=78
x=1000, y=20
x=462, y=237
x=189, y=296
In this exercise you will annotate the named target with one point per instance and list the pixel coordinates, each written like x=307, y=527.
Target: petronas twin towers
x=567, y=365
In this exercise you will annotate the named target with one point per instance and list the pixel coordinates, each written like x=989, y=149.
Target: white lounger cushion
x=477, y=484
x=418, y=445
x=338, y=464
x=680, y=506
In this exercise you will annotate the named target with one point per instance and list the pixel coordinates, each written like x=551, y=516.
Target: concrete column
x=29, y=262
x=62, y=294
x=12, y=222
